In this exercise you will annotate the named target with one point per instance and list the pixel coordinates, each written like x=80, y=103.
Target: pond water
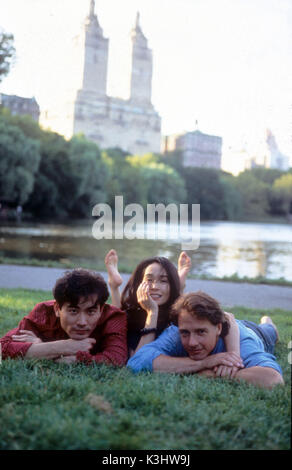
x=247, y=249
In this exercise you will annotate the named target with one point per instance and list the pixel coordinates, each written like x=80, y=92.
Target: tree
x=203, y=187
x=254, y=194
x=232, y=202
x=72, y=178
x=266, y=175
x=88, y=176
x=282, y=190
x=173, y=159
x=124, y=180
x=7, y=53
x=163, y=184
x=19, y=162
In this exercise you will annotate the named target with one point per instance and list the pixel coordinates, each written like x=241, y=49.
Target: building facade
x=274, y=158
x=197, y=149
x=131, y=124
x=20, y=105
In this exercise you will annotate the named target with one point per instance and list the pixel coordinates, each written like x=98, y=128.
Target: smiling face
x=157, y=279
x=198, y=335
x=79, y=321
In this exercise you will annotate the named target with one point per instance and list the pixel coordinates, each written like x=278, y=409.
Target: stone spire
x=92, y=7
x=137, y=32
x=95, y=54
x=91, y=21
x=141, y=74
x=138, y=20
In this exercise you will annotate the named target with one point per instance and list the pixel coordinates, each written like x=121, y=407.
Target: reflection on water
x=248, y=249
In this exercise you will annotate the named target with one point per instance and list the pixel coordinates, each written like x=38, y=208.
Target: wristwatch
x=146, y=331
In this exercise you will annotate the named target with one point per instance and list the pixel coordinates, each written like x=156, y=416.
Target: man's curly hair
x=80, y=283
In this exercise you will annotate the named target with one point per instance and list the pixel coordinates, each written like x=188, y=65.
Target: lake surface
x=247, y=249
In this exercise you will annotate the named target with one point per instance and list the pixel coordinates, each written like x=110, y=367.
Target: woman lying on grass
x=148, y=297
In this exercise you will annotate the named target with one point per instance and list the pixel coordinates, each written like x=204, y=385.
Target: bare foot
x=111, y=262
x=184, y=266
x=266, y=319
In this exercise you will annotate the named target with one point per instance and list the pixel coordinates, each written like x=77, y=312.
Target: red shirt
x=110, y=334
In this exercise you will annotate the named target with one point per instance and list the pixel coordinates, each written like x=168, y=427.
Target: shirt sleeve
x=253, y=356
x=12, y=348
x=113, y=346
x=168, y=344
x=32, y=322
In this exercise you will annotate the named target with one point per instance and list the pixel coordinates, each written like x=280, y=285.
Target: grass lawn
x=44, y=405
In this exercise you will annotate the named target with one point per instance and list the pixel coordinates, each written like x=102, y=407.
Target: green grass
x=43, y=405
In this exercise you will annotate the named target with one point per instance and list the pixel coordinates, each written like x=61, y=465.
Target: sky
x=224, y=63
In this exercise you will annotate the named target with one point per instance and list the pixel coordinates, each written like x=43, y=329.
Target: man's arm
x=54, y=349
x=186, y=365
x=265, y=377
x=166, y=354
x=261, y=376
x=16, y=344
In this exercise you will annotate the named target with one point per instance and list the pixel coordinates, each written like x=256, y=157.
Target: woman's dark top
x=136, y=322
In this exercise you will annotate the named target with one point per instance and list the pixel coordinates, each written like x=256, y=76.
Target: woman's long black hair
x=137, y=315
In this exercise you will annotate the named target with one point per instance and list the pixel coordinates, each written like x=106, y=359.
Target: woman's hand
x=229, y=316
x=26, y=336
x=145, y=300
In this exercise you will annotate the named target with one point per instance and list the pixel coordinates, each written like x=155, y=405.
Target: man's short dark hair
x=80, y=283
x=200, y=305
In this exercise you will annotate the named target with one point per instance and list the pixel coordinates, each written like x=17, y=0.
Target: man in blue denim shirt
x=196, y=345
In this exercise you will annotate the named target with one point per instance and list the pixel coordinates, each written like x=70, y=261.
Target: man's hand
x=222, y=359
x=72, y=346
x=225, y=371
x=66, y=359
x=26, y=336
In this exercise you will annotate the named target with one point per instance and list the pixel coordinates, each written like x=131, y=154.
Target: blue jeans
x=266, y=332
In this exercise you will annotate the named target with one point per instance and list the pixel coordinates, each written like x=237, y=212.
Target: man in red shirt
x=78, y=326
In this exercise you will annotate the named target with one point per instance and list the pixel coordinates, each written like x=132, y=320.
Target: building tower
x=131, y=124
x=141, y=73
x=95, y=55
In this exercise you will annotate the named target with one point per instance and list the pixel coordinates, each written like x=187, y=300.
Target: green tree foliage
x=282, y=192
x=266, y=175
x=254, y=194
x=204, y=187
x=26, y=123
x=232, y=201
x=173, y=159
x=52, y=177
x=19, y=162
x=72, y=177
x=163, y=184
x=7, y=53
x=124, y=178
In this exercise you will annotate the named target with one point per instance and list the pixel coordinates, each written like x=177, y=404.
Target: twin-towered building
x=82, y=105
x=131, y=124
